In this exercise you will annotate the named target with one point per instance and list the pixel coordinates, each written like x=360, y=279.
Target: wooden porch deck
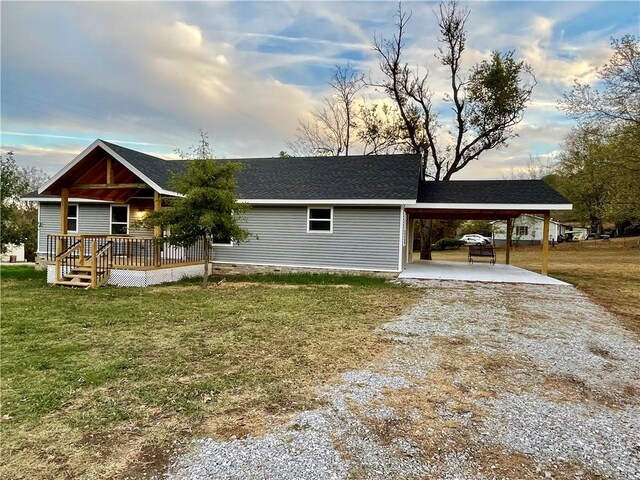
x=86, y=260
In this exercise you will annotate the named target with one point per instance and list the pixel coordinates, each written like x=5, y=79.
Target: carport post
x=508, y=242
x=410, y=229
x=545, y=243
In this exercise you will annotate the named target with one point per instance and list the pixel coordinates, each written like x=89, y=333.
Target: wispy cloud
x=150, y=74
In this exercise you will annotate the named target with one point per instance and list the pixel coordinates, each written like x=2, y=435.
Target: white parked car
x=475, y=239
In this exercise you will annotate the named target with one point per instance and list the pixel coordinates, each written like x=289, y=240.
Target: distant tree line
x=599, y=167
x=18, y=219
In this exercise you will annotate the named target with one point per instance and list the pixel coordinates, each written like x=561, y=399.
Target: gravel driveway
x=484, y=381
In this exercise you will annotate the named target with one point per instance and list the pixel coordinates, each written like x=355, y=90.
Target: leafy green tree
x=207, y=209
x=614, y=99
x=581, y=177
x=12, y=187
x=481, y=227
x=599, y=174
x=600, y=164
x=18, y=219
x=487, y=102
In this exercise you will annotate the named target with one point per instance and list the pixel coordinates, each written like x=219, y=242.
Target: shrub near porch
x=101, y=383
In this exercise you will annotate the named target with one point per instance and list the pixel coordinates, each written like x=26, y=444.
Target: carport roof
x=490, y=192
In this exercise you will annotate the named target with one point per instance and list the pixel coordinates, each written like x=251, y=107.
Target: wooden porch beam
x=545, y=243
x=109, y=171
x=103, y=186
x=64, y=210
x=463, y=214
x=508, y=242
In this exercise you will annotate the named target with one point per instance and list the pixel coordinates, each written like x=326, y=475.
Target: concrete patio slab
x=476, y=272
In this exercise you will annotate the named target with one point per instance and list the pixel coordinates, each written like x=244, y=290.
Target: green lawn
x=100, y=383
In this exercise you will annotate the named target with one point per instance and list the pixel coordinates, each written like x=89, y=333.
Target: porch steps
x=73, y=283
x=79, y=277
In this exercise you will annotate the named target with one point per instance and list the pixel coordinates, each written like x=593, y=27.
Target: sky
x=149, y=75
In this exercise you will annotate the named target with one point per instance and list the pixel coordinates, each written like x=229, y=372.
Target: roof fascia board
x=495, y=206
x=252, y=201
x=69, y=165
x=106, y=148
x=382, y=202
x=57, y=200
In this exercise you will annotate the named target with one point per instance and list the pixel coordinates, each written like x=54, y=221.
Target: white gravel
x=603, y=440
x=553, y=331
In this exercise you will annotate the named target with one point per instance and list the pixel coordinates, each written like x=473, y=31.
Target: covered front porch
x=102, y=196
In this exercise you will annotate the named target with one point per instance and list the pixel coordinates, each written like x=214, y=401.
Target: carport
x=476, y=272
x=480, y=200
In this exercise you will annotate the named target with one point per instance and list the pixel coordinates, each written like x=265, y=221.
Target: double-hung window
x=320, y=220
x=119, y=219
x=72, y=218
x=522, y=230
x=222, y=241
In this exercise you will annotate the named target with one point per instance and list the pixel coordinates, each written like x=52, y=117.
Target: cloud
x=49, y=159
x=166, y=75
x=153, y=73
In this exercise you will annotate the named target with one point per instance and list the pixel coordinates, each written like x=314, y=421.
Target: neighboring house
x=16, y=251
x=336, y=213
x=528, y=230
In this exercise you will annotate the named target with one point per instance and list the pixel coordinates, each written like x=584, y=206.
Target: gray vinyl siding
x=137, y=231
x=363, y=238
x=92, y=218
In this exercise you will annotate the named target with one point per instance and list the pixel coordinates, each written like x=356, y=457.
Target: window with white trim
x=319, y=219
x=522, y=230
x=119, y=219
x=72, y=218
x=219, y=241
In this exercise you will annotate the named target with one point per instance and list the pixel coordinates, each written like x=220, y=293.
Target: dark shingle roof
x=35, y=194
x=389, y=177
x=158, y=170
x=341, y=178
x=489, y=191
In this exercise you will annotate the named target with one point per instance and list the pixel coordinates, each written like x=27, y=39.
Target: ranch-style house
x=329, y=213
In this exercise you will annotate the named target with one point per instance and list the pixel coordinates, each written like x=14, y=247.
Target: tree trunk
x=207, y=249
x=425, y=239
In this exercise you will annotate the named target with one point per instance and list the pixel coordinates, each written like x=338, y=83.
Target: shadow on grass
x=22, y=272
x=294, y=279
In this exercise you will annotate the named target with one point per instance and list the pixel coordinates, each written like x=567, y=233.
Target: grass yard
x=110, y=383
x=608, y=271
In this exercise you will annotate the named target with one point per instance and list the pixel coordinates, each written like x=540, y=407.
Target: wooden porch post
x=545, y=243
x=508, y=242
x=157, y=230
x=94, y=264
x=157, y=205
x=64, y=210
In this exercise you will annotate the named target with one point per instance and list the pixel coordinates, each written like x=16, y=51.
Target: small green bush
x=447, y=244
